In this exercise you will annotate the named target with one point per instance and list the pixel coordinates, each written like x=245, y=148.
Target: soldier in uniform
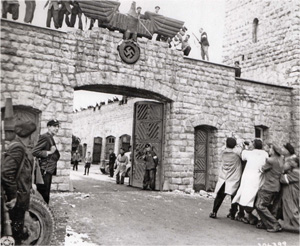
x=47, y=152
x=151, y=161
x=16, y=178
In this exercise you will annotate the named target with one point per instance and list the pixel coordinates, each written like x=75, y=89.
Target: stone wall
x=42, y=67
x=274, y=58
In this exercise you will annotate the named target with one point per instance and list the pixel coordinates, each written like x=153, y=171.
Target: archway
x=117, y=124
x=205, y=142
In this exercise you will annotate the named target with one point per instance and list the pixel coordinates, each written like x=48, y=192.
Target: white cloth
x=251, y=178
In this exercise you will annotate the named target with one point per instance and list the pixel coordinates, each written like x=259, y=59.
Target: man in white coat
x=229, y=177
x=252, y=179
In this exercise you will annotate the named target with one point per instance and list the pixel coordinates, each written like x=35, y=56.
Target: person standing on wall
x=111, y=162
x=48, y=154
x=88, y=161
x=151, y=161
x=53, y=12
x=29, y=12
x=11, y=7
x=238, y=69
x=16, y=178
x=204, y=44
x=185, y=46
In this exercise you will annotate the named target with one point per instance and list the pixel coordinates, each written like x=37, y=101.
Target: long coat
x=122, y=161
x=48, y=163
x=252, y=177
x=290, y=199
x=17, y=186
x=230, y=172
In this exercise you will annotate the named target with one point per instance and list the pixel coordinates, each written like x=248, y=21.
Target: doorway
x=97, y=150
x=147, y=128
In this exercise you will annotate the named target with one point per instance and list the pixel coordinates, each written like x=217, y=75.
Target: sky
x=208, y=14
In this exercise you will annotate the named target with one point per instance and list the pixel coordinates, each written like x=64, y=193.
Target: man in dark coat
x=238, y=69
x=269, y=191
x=16, y=177
x=111, y=162
x=48, y=154
x=151, y=161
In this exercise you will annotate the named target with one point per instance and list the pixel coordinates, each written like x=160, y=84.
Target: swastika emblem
x=129, y=52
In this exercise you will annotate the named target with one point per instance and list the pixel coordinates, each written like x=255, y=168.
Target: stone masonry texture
x=275, y=57
x=41, y=68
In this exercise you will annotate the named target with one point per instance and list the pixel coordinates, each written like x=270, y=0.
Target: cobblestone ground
x=100, y=212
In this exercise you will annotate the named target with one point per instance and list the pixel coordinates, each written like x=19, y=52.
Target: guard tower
x=264, y=37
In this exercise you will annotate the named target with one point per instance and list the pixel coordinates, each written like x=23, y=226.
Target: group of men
x=122, y=165
x=58, y=10
x=261, y=180
x=18, y=166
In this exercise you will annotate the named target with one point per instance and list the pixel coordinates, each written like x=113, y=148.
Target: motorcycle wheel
x=39, y=222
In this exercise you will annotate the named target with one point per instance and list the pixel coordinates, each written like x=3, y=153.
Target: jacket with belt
x=48, y=163
x=17, y=183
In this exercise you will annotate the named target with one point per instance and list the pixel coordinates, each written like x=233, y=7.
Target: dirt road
x=104, y=213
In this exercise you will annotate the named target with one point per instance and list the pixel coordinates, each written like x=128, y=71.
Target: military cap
x=25, y=129
x=157, y=7
x=290, y=148
x=53, y=123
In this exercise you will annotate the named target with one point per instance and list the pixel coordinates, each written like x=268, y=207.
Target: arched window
x=110, y=144
x=124, y=142
x=255, y=30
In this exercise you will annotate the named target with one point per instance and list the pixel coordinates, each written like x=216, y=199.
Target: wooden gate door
x=97, y=150
x=147, y=128
x=200, y=169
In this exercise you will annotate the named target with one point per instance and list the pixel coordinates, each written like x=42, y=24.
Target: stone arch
x=128, y=85
x=110, y=143
x=125, y=142
x=205, y=144
x=262, y=121
x=202, y=120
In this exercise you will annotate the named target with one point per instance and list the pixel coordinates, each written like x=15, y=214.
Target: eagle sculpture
x=108, y=16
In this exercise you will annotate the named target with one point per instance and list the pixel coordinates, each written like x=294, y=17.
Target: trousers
x=204, y=52
x=149, y=179
x=44, y=189
x=52, y=13
x=30, y=8
x=263, y=202
x=219, y=199
x=12, y=8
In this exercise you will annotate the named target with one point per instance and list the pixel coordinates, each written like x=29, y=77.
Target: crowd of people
x=263, y=179
x=69, y=11
x=120, y=165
